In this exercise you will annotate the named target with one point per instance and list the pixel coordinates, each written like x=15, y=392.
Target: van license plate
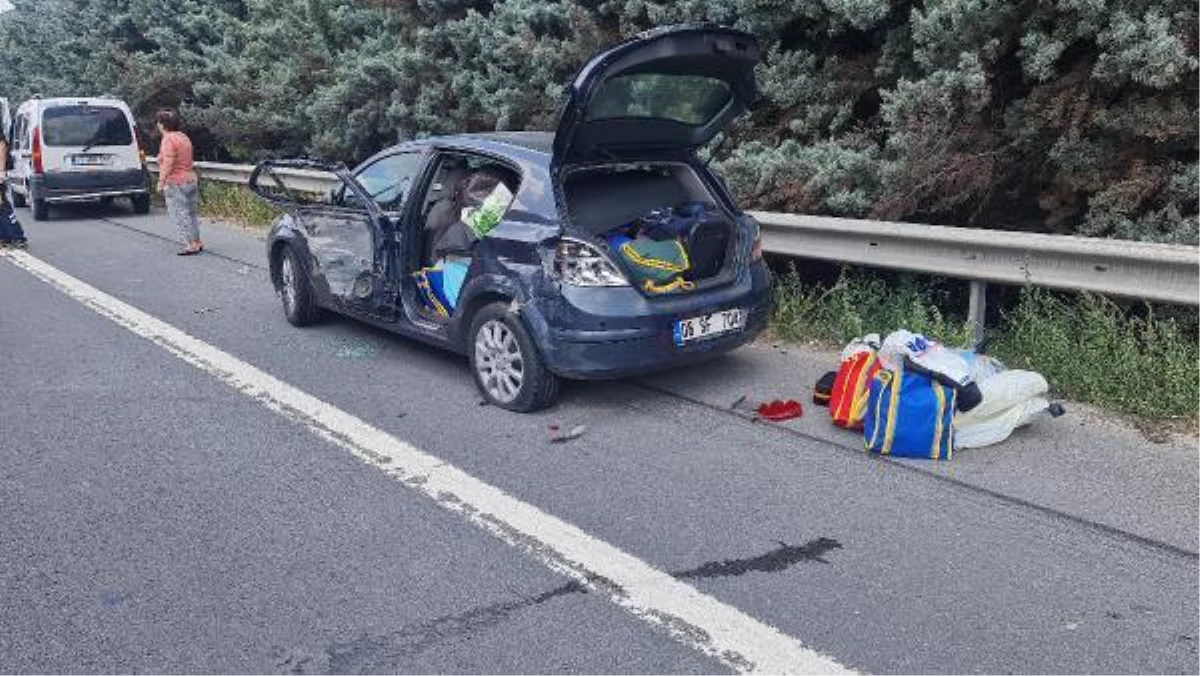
x=709, y=326
x=89, y=160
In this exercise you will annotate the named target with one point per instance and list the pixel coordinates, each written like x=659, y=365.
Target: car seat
x=454, y=237
x=441, y=213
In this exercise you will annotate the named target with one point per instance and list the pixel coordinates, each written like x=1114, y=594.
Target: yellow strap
x=883, y=379
x=893, y=405
x=858, y=402
x=673, y=285
x=423, y=284
x=941, y=412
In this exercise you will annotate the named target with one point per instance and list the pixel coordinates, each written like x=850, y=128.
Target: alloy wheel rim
x=498, y=361
x=288, y=276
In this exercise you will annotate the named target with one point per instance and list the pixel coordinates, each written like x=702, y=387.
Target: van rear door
x=86, y=138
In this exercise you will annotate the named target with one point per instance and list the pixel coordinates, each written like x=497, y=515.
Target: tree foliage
x=1069, y=116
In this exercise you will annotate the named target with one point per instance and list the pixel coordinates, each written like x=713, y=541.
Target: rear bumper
x=593, y=334
x=75, y=186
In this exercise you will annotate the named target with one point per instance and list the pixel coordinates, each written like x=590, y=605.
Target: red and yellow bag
x=848, y=400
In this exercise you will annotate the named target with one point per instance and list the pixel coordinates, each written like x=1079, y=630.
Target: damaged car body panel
x=521, y=250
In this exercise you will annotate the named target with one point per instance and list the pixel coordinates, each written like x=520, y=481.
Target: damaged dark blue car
x=602, y=250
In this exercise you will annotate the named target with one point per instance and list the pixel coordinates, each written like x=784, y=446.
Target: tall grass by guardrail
x=232, y=202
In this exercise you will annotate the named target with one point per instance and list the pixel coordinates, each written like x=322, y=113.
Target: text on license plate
x=708, y=326
x=89, y=160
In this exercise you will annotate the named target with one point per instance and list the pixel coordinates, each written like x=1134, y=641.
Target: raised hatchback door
x=671, y=88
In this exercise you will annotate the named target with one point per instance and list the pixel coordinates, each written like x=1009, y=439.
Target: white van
x=76, y=150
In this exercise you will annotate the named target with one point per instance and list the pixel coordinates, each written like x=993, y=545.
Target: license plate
x=89, y=160
x=709, y=326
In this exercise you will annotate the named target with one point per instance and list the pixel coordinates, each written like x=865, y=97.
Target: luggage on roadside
x=915, y=352
x=823, y=390
x=909, y=414
x=859, y=363
x=1011, y=399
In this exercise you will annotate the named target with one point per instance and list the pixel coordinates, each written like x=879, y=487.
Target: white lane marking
x=721, y=631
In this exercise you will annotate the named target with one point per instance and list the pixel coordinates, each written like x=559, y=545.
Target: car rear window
x=690, y=99
x=85, y=126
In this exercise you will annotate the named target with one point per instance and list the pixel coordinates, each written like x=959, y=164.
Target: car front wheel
x=295, y=291
x=508, y=368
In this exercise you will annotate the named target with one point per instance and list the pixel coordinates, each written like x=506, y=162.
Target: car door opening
x=467, y=197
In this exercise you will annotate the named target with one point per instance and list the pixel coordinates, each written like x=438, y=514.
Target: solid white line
x=714, y=628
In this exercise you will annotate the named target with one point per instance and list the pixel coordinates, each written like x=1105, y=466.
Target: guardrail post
x=976, y=311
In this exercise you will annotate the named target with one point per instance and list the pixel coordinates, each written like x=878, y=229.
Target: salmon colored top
x=175, y=159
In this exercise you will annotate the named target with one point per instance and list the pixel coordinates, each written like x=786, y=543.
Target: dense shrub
x=1067, y=116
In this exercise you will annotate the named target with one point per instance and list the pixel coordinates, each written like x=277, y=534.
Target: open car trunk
x=653, y=207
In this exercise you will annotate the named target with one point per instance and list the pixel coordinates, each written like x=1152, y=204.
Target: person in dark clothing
x=11, y=233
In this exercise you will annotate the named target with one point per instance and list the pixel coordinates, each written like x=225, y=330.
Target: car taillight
x=36, y=153
x=756, y=245
x=580, y=264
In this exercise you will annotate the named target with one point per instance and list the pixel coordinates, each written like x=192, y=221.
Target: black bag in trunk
x=706, y=242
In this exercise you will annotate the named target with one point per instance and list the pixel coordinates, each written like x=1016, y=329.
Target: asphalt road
x=155, y=519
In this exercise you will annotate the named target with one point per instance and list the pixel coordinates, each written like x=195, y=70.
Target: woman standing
x=177, y=181
x=11, y=234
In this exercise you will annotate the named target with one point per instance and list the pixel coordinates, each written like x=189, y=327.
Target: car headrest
x=480, y=183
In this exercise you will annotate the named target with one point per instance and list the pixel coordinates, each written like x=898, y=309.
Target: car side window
x=388, y=179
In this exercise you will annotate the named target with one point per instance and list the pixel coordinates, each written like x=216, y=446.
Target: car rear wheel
x=18, y=199
x=295, y=291
x=507, y=366
x=41, y=210
x=141, y=204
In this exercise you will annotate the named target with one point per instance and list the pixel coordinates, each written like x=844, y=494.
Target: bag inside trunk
x=659, y=220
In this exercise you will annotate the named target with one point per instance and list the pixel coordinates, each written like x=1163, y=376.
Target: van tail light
x=36, y=155
x=581, y=264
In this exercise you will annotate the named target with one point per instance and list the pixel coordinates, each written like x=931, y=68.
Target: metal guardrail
x=1156, y=272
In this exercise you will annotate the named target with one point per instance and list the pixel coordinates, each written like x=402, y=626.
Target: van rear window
x=85, y=126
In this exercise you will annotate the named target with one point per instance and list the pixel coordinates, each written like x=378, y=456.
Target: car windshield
x=690, y=99
x=85, y=126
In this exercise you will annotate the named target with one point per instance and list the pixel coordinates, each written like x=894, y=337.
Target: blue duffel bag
x=909, y=415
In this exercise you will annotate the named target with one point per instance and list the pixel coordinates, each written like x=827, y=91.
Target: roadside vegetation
x=1136, y=359
x=1060, y=116
x=236, y=204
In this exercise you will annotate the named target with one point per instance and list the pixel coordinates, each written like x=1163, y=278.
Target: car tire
x=295, y=290
x=41, y=210
x=141, y=204
x=18, y=199
x=506, y=364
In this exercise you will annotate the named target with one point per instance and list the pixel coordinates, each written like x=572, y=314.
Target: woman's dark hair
x=169, y=119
